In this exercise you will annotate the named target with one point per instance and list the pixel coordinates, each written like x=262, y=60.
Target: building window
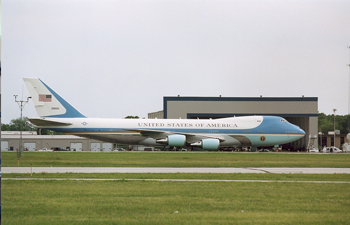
x=342, y=140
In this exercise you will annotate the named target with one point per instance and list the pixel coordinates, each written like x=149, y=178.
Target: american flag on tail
x=45, y=98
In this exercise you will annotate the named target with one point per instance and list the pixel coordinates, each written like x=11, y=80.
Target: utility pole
x=21, y=106
x=349, y=83
x=334, y=126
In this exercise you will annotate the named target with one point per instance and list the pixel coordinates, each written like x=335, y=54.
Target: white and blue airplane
x=209, y=134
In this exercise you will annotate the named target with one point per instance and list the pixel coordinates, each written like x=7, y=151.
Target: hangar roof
x=188, y=107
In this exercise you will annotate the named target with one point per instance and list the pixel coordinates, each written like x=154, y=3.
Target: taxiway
x=173, y=170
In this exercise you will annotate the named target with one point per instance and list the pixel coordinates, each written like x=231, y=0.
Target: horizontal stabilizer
x=44, y=122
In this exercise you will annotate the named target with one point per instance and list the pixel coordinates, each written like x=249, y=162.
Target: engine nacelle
x=176, y=140
x=208, y=144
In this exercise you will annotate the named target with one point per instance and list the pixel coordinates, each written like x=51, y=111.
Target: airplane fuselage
x=234, y=131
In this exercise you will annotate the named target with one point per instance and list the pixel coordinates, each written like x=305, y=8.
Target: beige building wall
x=176, y=109
x=156, y=115
x=47, y=141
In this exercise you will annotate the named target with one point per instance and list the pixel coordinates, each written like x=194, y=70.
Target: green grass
x=176, y=159
x=206, y=176
x=154, y=202
x=173, y=202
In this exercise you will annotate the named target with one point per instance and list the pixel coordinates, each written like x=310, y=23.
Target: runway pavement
x=172, y=170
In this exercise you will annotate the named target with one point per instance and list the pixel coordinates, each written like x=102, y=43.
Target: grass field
x=176, y=159
x=171, y=202
x=203, y=176
x=125, y=201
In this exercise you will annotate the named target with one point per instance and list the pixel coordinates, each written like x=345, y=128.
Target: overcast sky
x=118, y=58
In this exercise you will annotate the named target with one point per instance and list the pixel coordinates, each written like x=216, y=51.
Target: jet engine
x=207, y=144
x=176, y=140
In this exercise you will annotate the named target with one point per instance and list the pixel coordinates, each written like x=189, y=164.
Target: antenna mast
x=21, y=105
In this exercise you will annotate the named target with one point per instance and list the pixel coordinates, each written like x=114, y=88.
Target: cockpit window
x=283, y=120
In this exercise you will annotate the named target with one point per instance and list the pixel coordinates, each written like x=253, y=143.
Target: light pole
x=320, y=134
x=349, y=85
x=21, y=105
x=334, y=125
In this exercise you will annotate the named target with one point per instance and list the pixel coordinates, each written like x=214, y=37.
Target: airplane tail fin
x=47, y=102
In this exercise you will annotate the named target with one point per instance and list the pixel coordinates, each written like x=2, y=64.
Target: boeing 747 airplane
x=209, y=134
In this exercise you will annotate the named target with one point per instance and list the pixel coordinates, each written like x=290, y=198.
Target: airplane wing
x=44, y=122
x=157, y=134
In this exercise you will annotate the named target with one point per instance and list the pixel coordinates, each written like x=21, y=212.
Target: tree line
x=325, y=124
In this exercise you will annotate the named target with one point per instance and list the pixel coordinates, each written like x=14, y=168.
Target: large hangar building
x=301, y=111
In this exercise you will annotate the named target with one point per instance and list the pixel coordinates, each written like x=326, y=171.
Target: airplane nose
x=300, y=131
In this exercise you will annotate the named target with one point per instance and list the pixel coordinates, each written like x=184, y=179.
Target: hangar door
x=4, y=146
x=30, y=146
x=107, y=147
x=76, y=146
x=95, y=147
